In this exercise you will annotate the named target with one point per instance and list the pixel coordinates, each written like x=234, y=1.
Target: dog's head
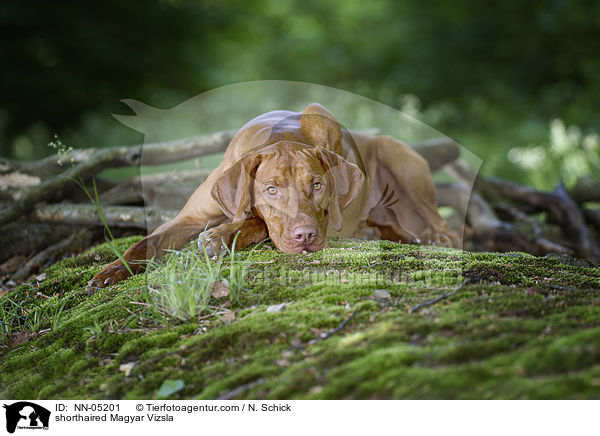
x=297, y=189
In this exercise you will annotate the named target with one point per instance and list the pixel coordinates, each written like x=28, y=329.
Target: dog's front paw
x=439, y=239
x=110, y=275
x=212, y=241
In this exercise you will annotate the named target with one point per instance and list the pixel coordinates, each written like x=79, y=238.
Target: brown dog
x=297, y=178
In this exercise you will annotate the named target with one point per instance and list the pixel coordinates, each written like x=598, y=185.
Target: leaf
x=127, y=368
x=276, y=308
x=168, y=388
x=219, y=290
x=18, y=338
x=228, y=316
x=381, y=295
x=41, y=277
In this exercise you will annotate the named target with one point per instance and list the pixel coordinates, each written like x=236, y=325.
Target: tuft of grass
x=95, y=330
x=34, y=317
x=235, y=270
x=181, y=287
x=183, y=290
x=66, y=153
x=95, y=200
x=8, y=315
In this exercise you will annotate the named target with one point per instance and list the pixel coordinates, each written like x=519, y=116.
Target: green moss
x=521, y=327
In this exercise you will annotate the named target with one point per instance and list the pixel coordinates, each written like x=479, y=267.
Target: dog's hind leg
x=408, y=197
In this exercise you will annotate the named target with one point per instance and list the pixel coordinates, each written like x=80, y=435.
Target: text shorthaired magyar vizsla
x=297, y=178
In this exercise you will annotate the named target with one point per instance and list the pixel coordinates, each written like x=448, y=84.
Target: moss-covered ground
x=519, y=327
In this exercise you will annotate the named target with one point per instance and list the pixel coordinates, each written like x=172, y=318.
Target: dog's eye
x=317, y=186
x=272, y=190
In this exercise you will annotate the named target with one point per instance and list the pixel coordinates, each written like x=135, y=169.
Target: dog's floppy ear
x=321, y=129
x=232, y=191
x=345, y=179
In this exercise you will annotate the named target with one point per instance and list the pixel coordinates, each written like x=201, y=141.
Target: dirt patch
x=477, y=275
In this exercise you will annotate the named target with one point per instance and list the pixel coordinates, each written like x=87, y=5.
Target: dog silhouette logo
x=26, y=415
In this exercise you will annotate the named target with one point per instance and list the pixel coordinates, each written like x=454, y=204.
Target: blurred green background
x=516, y=82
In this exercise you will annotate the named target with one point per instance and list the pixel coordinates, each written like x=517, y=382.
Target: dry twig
x=440, y=298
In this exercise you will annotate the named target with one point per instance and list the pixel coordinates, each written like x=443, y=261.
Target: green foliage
x=31, y=317
x=184, y=291
x=568, y=155
x=168, y=388
x=181, y=284
x=95, y=330
x=538, y=153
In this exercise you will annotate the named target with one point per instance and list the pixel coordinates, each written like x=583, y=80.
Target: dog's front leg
x=250, y=231
x=170, y=236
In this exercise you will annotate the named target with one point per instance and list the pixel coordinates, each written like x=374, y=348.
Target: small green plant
x=235, y=271
x=95, y=330
x=95, y=199
x=8, y=315
x=33, y=317
x=182, y=287
x=65, y=153
x=186, y=287
x=56, y=315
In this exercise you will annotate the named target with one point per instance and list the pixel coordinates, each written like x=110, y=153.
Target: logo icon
x=26, y=415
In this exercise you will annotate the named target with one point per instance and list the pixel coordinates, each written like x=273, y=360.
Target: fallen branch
x=175, y=151
x=47, y=167
x=16, y=238
x=123, y=194
x=176, y=176
x=440, y=298
x=561, y=209
x=585, y=189
x=438, y=151
x=100, y=159
x=153, y=154
x=469, y=204
x=115, y=216
x=66, y=246
x=241, y=389
x=572, y=217
x=534, y=232
x=559, y=205
x=592, y=216
x=493, y=233
x=141, y=189
x=333, y=331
